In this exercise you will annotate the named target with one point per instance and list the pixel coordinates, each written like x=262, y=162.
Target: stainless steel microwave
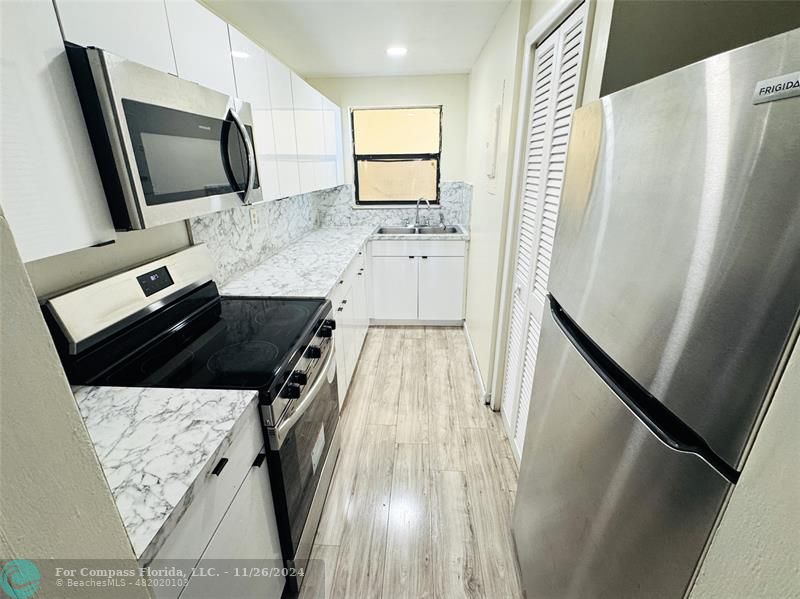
x=167, y=149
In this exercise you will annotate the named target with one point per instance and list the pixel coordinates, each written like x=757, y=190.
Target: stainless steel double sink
x=446, y=230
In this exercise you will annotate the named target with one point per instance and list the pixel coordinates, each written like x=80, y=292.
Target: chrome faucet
x=416, y=219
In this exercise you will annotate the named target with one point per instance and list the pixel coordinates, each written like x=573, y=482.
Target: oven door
x=304, y=446
x=179, y=149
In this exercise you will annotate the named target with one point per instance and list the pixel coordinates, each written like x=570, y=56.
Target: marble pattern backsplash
x=336, y=208
x=243, y=238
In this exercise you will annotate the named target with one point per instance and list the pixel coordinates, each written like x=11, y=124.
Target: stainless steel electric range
x=164, y=324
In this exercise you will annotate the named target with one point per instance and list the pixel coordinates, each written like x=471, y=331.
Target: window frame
x=394, y=158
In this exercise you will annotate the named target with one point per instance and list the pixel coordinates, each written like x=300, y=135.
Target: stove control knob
x=325, y=331
x=331, y=324
x=313, y=352
x=299, y=377
x=290, y=391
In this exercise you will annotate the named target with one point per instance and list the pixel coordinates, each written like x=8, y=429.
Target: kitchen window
x=396, y=153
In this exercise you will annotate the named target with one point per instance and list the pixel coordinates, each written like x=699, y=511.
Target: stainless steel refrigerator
x=673, y=305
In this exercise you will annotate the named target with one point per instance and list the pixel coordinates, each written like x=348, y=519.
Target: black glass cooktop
x=232, y=343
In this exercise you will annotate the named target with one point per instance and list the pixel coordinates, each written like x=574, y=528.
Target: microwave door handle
x=285, y=425
x=251, y=160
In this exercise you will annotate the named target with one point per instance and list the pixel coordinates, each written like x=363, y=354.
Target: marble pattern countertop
x=309, y=267
x=154, y=446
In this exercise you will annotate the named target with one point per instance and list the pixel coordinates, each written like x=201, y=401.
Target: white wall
x=755, y=553
x=54, y=499
x=448, y=90
x=494, y=79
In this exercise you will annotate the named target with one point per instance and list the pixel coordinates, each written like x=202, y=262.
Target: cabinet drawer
x=418, y=248
x=215, y=493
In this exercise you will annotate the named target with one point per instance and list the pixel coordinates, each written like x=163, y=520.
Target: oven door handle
x=251, y=160
x=284, y=426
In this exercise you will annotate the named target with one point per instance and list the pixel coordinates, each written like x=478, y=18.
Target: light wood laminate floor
x=420, y=502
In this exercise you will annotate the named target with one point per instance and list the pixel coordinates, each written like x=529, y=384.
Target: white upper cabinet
x=310, y=127
x=333, y=143
x=202, y=47
x=134, y=29
x=280, y=88
x=252, y=85
x=50, y=188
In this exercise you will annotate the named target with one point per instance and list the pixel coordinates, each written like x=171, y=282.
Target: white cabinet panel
x=247, y=537
x=50, y=188
x=309, y=126
x=250, y=69
x=330, y=171
x=252, y=85
x=134, y=29
x=350, y=310
x=202, y=48
x=441, y=288
x=360, y=310
x=280, y=88
x=418, y=280
x=394, y=287
x=197, y=525
x=339, y=147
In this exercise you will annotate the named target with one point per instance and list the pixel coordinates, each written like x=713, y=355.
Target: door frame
x=546, y=26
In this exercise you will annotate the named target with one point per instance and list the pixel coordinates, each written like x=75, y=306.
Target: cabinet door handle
x=411, y=257
x=339, y=309
x=359, y=273
x=219, y=467
x=424, y=257
x=344, y=301
x=260, y=460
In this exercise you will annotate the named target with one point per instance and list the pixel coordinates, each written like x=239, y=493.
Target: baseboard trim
x=414, y=323
x=486, y=397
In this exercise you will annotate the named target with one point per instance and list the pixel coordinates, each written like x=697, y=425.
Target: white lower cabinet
x=394, y=287
x=418, y=281
x=211, y=508
x=441, y=287
x=245, y=543
x=349, y=300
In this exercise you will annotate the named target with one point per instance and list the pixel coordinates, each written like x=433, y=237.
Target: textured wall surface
x=755, y=553
x=54, y=500
x=492, y=82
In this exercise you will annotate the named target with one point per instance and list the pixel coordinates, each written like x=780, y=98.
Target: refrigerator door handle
x=659, y=420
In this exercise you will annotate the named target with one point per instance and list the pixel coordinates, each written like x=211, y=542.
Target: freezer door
x=604, y=508
x=678, y=242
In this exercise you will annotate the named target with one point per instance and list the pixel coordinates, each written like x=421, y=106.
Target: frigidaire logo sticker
x=19, y=578
x=777, y=88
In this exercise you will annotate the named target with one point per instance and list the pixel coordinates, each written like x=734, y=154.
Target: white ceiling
x=343, y=38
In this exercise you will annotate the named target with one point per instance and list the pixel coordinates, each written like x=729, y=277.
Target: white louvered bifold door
x=554, y=94
x=542, y=93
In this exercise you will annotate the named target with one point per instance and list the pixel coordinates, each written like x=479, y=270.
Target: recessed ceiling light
x=239, y=54
x=396, y=50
